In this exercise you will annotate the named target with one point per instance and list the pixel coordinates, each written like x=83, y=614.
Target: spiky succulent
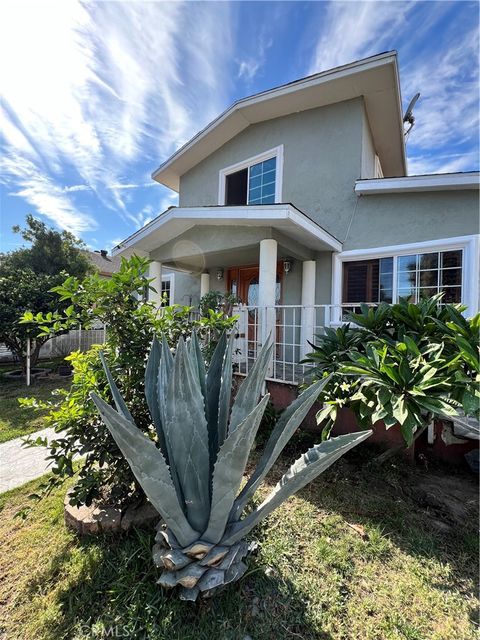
x=193, y=472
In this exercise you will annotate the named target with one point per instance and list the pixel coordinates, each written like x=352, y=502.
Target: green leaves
x=405, y=363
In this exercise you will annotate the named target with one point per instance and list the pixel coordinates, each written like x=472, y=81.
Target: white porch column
x=267, y=284
x=204, y=284
x=155, y=272
x=308, y=310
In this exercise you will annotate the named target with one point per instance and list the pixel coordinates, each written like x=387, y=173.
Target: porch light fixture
x=287, y=265
x=220, y=274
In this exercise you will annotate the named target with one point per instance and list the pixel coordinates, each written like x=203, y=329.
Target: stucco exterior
x=394, y=218
x=322, y=159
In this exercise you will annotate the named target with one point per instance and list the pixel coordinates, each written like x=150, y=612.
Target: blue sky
x=96, y=95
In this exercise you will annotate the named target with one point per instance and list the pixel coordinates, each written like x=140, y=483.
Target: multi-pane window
x=261, y=182
x=166, y=287
x=420, y=275
x=254, y=184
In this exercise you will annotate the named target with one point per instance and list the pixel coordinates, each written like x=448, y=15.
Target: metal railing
x=293, y=327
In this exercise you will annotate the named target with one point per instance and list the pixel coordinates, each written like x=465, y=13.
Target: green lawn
x=16, y=421
x=352, y=557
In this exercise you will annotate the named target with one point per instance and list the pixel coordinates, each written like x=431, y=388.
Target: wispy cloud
x=445, y=72
x=98, y=88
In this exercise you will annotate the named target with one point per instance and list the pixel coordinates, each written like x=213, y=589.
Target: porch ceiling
x=285, y=219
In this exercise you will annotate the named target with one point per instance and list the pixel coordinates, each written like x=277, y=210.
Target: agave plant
x=192, y=473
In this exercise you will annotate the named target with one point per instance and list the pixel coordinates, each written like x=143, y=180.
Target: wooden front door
x=243, y=282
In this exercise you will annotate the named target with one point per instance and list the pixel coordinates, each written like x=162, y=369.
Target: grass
x=16, y=421
x=352, y=557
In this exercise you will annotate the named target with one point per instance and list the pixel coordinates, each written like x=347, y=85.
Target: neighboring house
x=106, y=265
x=297, y=200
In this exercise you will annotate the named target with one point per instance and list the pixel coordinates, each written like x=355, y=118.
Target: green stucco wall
x=390, y=219
x=322, y=160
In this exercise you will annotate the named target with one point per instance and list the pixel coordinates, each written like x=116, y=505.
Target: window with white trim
x=257, y=180
x=414, y=276
x=166, y=292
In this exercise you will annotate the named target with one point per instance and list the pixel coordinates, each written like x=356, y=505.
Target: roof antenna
x=409, y=117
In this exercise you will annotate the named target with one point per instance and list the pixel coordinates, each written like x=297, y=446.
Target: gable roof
x=105, y=264
x=375, y=79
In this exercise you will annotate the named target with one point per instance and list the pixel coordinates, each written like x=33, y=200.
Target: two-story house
x=297, y=200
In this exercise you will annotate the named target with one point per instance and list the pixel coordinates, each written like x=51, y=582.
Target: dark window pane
x=427, y=292
x=428, y=261
x=386, y=280
x=452, y=259
x=361, y=281
x=428, y=278
x=407, y=263
x=452, y=294
x=451, y=277
x=268, y=190
x=386, y=265
x=236, y=188
x=386, y=295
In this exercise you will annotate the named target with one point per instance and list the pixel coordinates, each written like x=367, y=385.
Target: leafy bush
x=131, y=324
x=403, y=363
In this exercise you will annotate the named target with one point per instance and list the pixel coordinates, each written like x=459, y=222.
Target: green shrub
x=403, y=363
x=131, y=324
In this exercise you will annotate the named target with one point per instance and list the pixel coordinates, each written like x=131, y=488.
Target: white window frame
x=170, y=277
x=276, y=152
x=470, y=246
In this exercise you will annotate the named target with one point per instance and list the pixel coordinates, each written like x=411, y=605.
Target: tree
x=27, y=276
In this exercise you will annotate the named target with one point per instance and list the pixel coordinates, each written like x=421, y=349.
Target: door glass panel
x=252, y=294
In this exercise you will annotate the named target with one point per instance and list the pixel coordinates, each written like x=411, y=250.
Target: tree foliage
x=27, y=276
x=131, y=325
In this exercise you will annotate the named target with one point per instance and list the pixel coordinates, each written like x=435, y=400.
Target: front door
x=243, y=282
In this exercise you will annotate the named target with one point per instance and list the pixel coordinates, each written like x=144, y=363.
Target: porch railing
x=292, y=327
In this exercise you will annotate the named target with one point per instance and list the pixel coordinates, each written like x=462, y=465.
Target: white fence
x=64, y=344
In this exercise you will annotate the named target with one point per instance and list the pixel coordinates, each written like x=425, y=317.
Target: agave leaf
x=249, y=391
x=229, y=469
x=187, y=436
x=214, y=381
x=164, y=371
x=151, y=395
x=117, y=396
x=302, y=471
x=225, y=394
x=150, y=469
x=198, y=362
x=286, y=426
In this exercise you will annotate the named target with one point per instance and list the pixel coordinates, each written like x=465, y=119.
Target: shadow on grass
x=389, y=499
x=114, y=595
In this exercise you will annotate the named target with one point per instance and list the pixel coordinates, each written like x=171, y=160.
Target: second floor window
x=254, y=184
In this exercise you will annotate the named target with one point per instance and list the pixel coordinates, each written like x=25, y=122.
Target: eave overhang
x=283, y=217
x=432, y=182
x=375, y=79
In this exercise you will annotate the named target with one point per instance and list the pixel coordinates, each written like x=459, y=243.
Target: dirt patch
x=453, y=499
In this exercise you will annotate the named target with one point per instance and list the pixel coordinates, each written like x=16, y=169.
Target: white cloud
x=444, y=71
x=94, y=90
x=354, y=30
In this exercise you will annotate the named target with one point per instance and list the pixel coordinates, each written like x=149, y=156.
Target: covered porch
x=273, y=258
